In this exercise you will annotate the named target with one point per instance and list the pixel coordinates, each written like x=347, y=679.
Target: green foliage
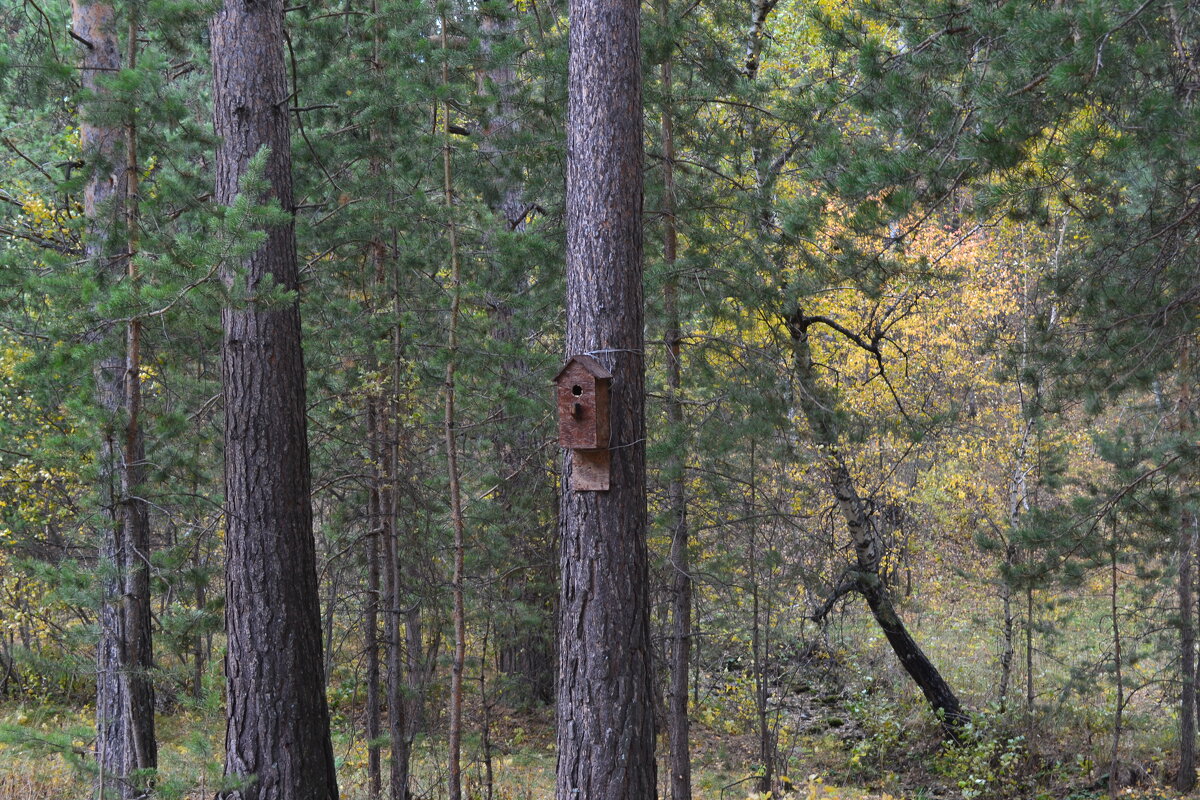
x=988, y=762
x=884, y=723
x=845, y=176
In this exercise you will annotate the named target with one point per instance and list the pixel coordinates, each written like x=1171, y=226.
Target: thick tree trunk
x=817, y=406
x=125, y=740
x=605, y=681
x=277, y=734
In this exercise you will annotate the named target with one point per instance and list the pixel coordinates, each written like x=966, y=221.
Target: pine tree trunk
x=681, y=578
x=104, y=195
x=421, y=661
x=605, y=682
x=397, y=700
x=1185, y=780
x=758, y=653
x=450, y=423
x=378, y=452
x=277, y=733
x=485, y=730
x=371, y=610
x=138, y=657
x=399, y=694
x=125, y=740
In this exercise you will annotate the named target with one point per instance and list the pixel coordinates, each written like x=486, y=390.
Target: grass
x=884, y=745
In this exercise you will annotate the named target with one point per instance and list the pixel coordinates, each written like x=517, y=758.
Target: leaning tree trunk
x=125, y=740
x=817, y=405
x=605, y=681
x=277, y=744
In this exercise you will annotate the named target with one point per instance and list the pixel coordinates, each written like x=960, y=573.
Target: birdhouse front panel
x=582, y=389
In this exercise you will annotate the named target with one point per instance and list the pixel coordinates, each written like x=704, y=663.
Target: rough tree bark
x=125, y=739
x=817, y=407
x=277, y=744
x=605, y=683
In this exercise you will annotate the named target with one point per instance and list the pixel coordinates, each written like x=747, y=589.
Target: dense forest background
x=922, y=293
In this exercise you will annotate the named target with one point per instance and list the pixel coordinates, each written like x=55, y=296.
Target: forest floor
x=43, y=756
x=849, y=726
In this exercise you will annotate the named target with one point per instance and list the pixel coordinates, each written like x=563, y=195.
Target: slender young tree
x=605, y=683
x=277, y=744
x=1185, y=779
x=125, y=740
x=137, y=641
x=451, y=441
x=524, y=494
x=681, y=578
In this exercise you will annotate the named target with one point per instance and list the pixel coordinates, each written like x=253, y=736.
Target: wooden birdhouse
x=583, y=404
x=582, y=391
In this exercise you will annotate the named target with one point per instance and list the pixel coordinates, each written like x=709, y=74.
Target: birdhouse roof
x=588, y=363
